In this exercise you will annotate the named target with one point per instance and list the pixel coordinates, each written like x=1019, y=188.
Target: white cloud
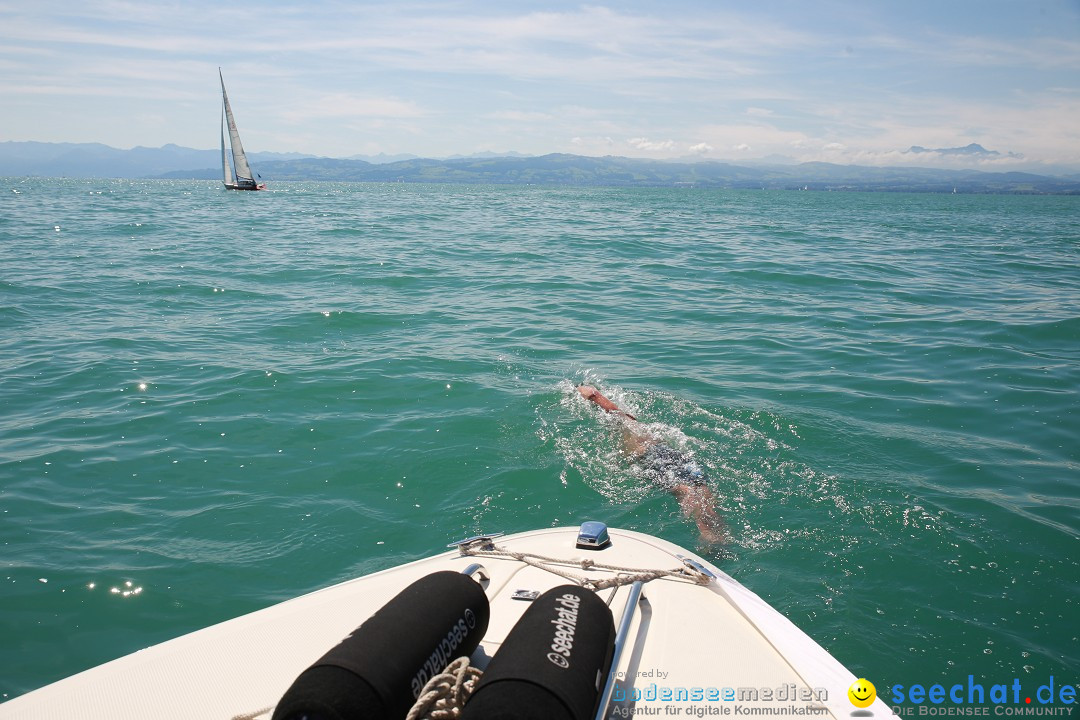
x=702, y=148
x=641, y=143
x=762, y=138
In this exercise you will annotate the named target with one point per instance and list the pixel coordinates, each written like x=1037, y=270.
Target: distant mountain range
x=170, y=161
x=974, y=150
x=97, y=160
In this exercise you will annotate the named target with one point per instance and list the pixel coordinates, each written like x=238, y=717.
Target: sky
x=855, y=82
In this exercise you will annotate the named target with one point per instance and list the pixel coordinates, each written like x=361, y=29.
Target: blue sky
x=850, y=82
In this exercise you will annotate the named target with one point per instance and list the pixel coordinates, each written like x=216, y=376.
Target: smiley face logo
x=861, y=693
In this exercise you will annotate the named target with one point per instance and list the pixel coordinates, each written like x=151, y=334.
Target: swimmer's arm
x=590, y=393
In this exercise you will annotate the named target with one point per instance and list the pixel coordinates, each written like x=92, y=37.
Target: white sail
x=244, y=177
x=226, y=168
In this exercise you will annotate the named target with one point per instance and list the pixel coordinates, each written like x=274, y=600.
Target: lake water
x=215, y=401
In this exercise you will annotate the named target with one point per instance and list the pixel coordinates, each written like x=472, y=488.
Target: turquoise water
x=215, y=401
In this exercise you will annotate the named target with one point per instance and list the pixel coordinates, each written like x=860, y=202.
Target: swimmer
x=669, y=469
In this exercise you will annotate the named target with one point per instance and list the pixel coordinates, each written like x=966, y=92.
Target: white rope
x=687, y=571
x=445, y=694
x=253, y=715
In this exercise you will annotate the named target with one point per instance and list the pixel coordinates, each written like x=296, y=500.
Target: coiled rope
x=445, y=694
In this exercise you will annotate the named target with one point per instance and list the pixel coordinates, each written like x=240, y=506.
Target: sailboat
x=242, y=178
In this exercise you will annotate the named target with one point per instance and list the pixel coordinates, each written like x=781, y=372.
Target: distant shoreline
x=174, y=162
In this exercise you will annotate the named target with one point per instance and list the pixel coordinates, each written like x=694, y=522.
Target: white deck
x=708, y=642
